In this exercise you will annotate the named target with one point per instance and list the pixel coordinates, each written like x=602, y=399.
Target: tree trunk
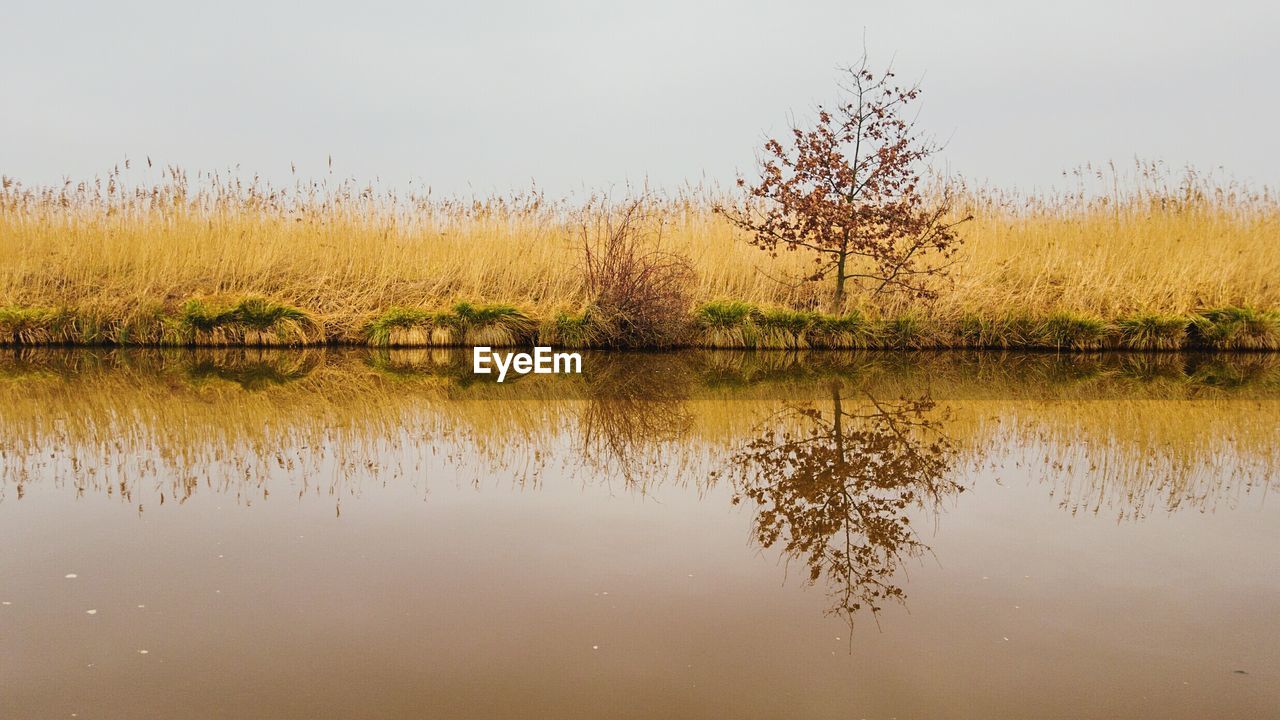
x=837, y=303
x=838, y=421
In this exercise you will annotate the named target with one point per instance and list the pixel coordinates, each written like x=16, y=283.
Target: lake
x=381, y=534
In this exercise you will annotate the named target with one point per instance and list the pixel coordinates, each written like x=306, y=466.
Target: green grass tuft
x=570, y=331
x=726, y=324
x=1152, y=332
x=400, y=326
x=464, y=324
x=979, y=331
x=1063, y=330
x=848, y=331
x=724, y=314
x=1235, y=328
x=908, y=331
x=492, y=325
x=252, y=321
x=37, y=326
x=781, y=329
x=263, y=315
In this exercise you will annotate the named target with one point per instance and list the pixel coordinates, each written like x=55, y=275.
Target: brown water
x=333, y=535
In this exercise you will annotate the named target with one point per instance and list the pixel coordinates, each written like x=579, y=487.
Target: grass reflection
x=1113, y=433
x=837, y=455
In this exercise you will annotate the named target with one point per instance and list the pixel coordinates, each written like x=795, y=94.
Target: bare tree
x=848, y=189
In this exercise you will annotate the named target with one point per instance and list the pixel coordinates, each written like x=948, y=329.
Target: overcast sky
x=482, y=96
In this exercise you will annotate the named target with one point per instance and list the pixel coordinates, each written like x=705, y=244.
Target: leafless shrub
x=639, y=292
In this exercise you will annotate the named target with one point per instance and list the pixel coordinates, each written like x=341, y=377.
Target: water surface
x=831, y=535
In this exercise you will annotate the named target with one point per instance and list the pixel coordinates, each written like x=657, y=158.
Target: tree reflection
x=834, y=488
x=634, y=406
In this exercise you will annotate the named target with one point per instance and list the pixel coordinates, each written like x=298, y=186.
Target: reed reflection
x=835, y=488
x=1125, y=435
x=634, y=406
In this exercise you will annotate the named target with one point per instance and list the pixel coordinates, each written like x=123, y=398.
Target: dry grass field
x=111, y=259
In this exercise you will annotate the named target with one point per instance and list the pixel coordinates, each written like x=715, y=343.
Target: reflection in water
x=1126, y=435
x=568, y=546
x=835, y=473
x=835, y=491
x=631, y=411
x=252, y=371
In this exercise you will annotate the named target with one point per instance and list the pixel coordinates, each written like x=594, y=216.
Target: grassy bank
x=1149, y=263
x=260, y=322
x=739, y=325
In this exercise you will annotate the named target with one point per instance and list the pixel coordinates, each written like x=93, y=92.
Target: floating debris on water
x=71, y=576
x=90, y=612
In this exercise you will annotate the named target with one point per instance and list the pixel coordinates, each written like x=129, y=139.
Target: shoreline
x=949, y=374
x=731, y=325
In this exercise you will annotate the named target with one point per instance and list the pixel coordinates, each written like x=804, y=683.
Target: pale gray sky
x=481, y=96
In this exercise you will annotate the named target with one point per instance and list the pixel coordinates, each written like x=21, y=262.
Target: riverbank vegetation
x=1141, y=260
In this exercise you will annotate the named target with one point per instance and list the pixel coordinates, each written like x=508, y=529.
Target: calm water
x=368, y=535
